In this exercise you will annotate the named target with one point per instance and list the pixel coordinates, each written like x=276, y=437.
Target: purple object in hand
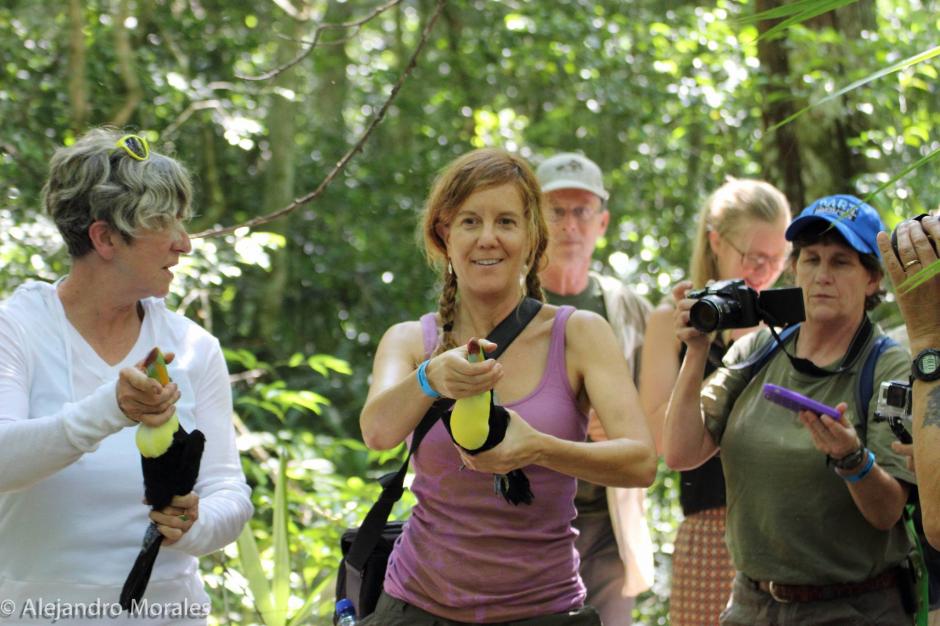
x=797, y=401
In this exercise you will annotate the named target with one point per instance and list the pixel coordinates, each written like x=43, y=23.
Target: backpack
x=923, y=562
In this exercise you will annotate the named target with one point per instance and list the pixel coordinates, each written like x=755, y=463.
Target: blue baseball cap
x=857, y=221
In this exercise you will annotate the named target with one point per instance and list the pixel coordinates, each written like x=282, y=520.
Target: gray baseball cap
x=569, y=170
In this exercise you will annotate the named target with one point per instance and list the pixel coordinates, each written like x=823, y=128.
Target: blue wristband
x=426, y=387
x=854, y=478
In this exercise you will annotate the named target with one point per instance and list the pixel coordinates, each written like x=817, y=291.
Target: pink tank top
x=468, y=555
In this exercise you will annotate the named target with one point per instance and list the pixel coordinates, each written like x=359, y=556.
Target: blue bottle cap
x=344, y=605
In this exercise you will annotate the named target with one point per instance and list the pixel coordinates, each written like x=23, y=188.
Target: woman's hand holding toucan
x=519, y=447
x=175, y=520
x=452, y=375
x=143, y=399
x=477, y=424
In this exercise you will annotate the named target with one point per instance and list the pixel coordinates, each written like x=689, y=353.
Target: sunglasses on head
x=135, y=146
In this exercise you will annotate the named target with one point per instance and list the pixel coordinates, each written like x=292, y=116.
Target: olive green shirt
x=791, y=518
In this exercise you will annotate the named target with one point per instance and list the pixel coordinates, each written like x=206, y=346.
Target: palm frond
x=891, y=69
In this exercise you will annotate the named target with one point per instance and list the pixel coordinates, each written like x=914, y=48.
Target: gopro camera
x=894, y=407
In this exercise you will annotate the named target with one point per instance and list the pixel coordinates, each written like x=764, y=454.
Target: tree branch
x=341, y=164
x=171, y=130
x=316, y=39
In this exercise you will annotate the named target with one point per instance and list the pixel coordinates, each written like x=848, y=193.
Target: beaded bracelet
x=854, y=478
x=426, y=387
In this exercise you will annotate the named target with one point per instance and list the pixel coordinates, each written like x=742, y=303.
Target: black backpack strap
x=508, y=329
x=392, y=489
x=393, y=483
x=866, y=381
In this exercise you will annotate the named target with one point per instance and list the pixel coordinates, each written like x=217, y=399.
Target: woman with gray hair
x=72, y=383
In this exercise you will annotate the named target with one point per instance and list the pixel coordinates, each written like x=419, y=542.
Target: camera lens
x=705, y=315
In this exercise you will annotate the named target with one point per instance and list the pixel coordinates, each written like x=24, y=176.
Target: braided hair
x=476, y=171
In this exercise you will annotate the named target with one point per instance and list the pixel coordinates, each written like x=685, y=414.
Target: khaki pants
x=392, y=612
x=602, y=570
x=752, y=607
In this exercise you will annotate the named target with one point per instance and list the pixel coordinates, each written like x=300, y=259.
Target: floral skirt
x=702, y=573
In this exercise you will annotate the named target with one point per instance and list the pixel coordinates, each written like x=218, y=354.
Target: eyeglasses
x=581, y=213
x=754, y=260
x=135, y=146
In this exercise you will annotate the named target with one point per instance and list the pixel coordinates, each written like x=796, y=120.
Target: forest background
x=262, y=100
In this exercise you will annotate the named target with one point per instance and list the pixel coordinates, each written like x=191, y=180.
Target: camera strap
x=805, y=366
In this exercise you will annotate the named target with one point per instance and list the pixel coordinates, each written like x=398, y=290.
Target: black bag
x=366, y=549
x=372, y=575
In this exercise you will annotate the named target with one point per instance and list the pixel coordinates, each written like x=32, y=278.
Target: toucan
x=476, y=424
x=169, y=458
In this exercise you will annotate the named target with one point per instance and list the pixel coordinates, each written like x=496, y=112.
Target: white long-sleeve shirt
x=71, y=516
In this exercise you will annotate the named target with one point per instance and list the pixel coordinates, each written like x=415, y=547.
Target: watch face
x=929, y=363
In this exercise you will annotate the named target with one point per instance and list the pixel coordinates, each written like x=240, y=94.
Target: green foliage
x=668, y=97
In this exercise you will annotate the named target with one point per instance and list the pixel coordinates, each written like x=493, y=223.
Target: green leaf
x=920, y=277
x=798, y=12
x=315, y=594
x=254, y=573
x=323, y=363
x=907, y=170
x=280, y=585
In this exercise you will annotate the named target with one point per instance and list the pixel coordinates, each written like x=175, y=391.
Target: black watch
x=851, y=460
x=926, y=365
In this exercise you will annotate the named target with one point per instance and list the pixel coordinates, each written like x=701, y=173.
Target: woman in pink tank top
x=467, y=556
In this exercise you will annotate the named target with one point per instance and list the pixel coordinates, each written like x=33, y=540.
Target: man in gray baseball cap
x=614, y=541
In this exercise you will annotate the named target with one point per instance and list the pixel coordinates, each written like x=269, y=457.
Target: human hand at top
x=693, y=338
x=144, y=399
x=916, y=251
x=836, y=438
x=452, y=375
x=519, y=447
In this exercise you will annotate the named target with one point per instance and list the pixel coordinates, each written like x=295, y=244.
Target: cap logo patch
x=571, y=166
x=840, y=207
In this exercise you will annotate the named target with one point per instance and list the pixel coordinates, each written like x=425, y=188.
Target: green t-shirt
x=591, y=499
x=791, y=518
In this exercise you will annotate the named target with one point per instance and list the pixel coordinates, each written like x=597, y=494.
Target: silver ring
x=910, y=263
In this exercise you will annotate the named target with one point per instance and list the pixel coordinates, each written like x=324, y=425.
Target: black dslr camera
x=894, y=407
x=732, y=304
x=894, y=236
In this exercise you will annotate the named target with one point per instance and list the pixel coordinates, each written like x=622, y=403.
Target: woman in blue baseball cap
x=814, y=503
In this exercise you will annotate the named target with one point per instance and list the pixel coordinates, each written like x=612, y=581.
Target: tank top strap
x=556, y=365
x=429, y=331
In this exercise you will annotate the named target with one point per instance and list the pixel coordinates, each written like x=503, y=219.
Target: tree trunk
x=78, y=87
x=781, y=156
x=833, y=163
x=125, y=55
x=279, y=186
x=213, y=193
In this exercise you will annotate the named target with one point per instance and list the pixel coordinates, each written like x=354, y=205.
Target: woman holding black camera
x=814, y=503
x=740, y=235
